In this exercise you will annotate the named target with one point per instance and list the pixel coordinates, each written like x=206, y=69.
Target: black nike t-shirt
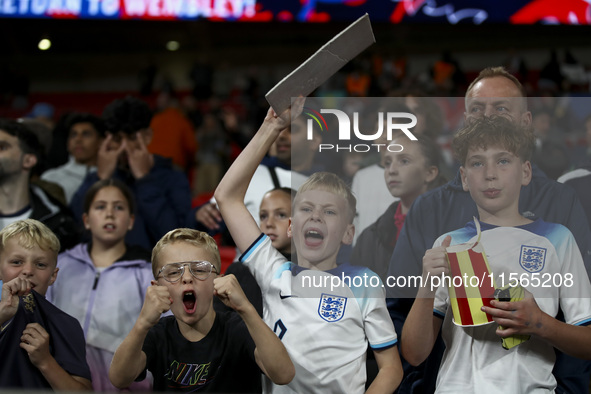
x=223, y=361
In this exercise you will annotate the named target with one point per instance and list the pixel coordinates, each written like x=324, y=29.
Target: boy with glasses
x=197, y=349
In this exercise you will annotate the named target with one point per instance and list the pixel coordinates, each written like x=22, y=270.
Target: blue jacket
x=163, y=200
x=448, y=208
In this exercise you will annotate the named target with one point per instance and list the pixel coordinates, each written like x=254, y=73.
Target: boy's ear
x=131, y=222
x=349, y=234
x=53, y=276
x=464, y=182
x=527, y=173
x=289, y=234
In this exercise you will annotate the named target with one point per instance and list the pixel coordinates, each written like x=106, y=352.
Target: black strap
x=274, y=177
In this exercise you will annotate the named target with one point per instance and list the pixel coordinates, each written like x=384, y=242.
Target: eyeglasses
x=173, y=272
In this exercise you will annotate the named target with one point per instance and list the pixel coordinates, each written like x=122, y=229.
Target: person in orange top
x=173, y=134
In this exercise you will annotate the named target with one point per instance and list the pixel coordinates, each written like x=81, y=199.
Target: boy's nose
x=316, y=215
x=187, y=276
x=490, y=173
x=27, y=269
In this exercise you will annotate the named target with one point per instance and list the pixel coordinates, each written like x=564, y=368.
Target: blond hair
x=330, y=182
x=31, y=233
x=190, y=236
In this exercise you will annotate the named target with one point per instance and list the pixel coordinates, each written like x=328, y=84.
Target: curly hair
x=127, y=115
x=497, y=131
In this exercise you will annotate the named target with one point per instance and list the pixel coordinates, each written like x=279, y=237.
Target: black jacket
x=375, y=245
x=56, y=216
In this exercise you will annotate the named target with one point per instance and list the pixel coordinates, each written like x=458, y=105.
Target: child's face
x=108, y=218
x=274, y=215
x=320, y=224
x=406, y=172
x=36, y=265
x=192, y=298
x=494, y=177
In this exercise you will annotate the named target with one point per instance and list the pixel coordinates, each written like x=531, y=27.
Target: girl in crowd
x=410, y=169
x=103, y=283
x=274, y=214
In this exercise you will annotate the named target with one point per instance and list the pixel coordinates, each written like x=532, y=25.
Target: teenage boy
x=494, y=153
x=197, y=349
x=41, y=346
x=162, y=192
x=85, y=136
x=326, y=330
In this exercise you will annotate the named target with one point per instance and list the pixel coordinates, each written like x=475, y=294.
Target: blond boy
x=41, y=346
x=197, y=349
x=326, y=329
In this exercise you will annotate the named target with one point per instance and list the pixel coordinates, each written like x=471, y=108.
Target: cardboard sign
x=322, y=65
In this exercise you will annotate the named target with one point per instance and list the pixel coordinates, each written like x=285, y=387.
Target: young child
x=197, y=349
x=495, y=154
x=325, y=330
x=101, y=274
x=408, y=174
x=41, y=346
x=274, y=214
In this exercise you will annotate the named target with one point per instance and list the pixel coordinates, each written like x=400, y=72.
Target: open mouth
x=313, y=237
x=109, y=227
x=189, y=301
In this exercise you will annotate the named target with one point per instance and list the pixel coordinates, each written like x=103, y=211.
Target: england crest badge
x=532, y=258
x=332, y=308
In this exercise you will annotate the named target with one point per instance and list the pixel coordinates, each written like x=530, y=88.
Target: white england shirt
x=325, y=326
x=474, y=360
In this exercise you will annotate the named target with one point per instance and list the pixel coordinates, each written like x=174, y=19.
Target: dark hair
x=128, y=115
x=83, y=117
x=493, y=131
x=431, y=152
x=27, y=139
x=97, y=186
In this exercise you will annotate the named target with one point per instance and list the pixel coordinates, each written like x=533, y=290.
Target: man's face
x=191, y=298
x=11, y=156
x=84, y=142
x=496, y=96
x=36, y=265
x=494, y=178
x=320, y=223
